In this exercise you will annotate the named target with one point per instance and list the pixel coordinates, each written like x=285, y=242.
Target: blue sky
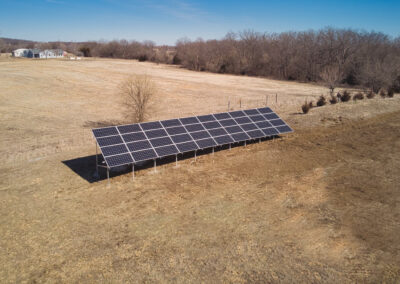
x=165, y=21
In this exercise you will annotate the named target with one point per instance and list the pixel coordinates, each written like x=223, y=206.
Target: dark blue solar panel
x=155, y=133
x=157, y=142
x=139, y=145
x=144, y=155
x=233, y=129
x=237, y=113
x=227, y=122
x=242, y=120
x=189, y=120
x=129, y=128
x=226, y=139
x=136, y=136
x=200, y=135
x=176, y=130
x=110, y=140
x=217, y=132
x=108, y=131
x=114, y=150
x=251, y=111
x=170, y=122
x=151, y=125
x=166, y=151
x=161, y=135
x=206, y=143
x=263, y=124
x=255, y=134
x=270, y=131
x=277, y=122
x=238, y=137
x=187, y=147
x=284, y=129
x=194, y=127
x=256, y=118
x=223, y=115
x=248, y=127
x=119, y=160
x=205, y=118
x=211, y=125
x=270, y=116
x=181, y=138
x=265, y=110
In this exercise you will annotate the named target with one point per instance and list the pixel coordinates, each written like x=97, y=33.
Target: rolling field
x=319, y=205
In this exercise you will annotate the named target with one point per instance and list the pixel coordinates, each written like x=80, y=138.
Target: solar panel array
x=127, y=144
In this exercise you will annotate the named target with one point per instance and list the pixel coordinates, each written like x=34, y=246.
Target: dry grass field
x=319, y=205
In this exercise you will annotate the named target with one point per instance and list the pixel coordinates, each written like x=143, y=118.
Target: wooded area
x=333, y=56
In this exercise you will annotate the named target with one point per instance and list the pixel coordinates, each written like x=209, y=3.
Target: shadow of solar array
x=128, y=144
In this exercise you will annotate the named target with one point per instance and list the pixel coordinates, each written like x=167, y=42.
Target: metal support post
x=97, y=162
x=213, y=151
x=176, y=160
x=245, y=143
x=229, y=146
x=108, y=176
x=155, y=165
x=195, y=155
x=133, y=171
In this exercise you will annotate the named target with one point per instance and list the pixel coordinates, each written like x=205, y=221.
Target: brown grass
x=319, y=205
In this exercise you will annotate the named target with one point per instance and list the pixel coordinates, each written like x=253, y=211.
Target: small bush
x=339, y=97
x=311, y=104
x=390, y=93
x=345, y=97
x=321, y=101
x=358, y=96
x=333, y=100
x=382, y=93
x=370, y=94
x=305, y=107
x=143, y=58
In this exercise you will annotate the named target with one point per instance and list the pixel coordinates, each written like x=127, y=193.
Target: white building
x=36, y=53
x=21, y=52
x=51, y=53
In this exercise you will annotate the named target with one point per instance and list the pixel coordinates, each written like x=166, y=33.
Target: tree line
x=334, y=56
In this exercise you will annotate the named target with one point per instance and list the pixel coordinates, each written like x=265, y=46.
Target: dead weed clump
x=333, y=100
x=306, y=107
x=390, y=93
x=358, y=96
x=383, y=94
x=321, y=101
x=370, y=95
x=345, y=97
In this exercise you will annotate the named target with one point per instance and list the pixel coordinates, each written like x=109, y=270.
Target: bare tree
x=331, y=75
x=138, y=92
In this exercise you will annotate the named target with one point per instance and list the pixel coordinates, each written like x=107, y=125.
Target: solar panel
x=107, y=131
x=187, y=147
x=206, y=143
x=176, y=130
x=119, y=160
x=144, y=155
x=129, y=128
x=166, y=151
x=132, y=143
x=170, y=122
x=194, y=127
